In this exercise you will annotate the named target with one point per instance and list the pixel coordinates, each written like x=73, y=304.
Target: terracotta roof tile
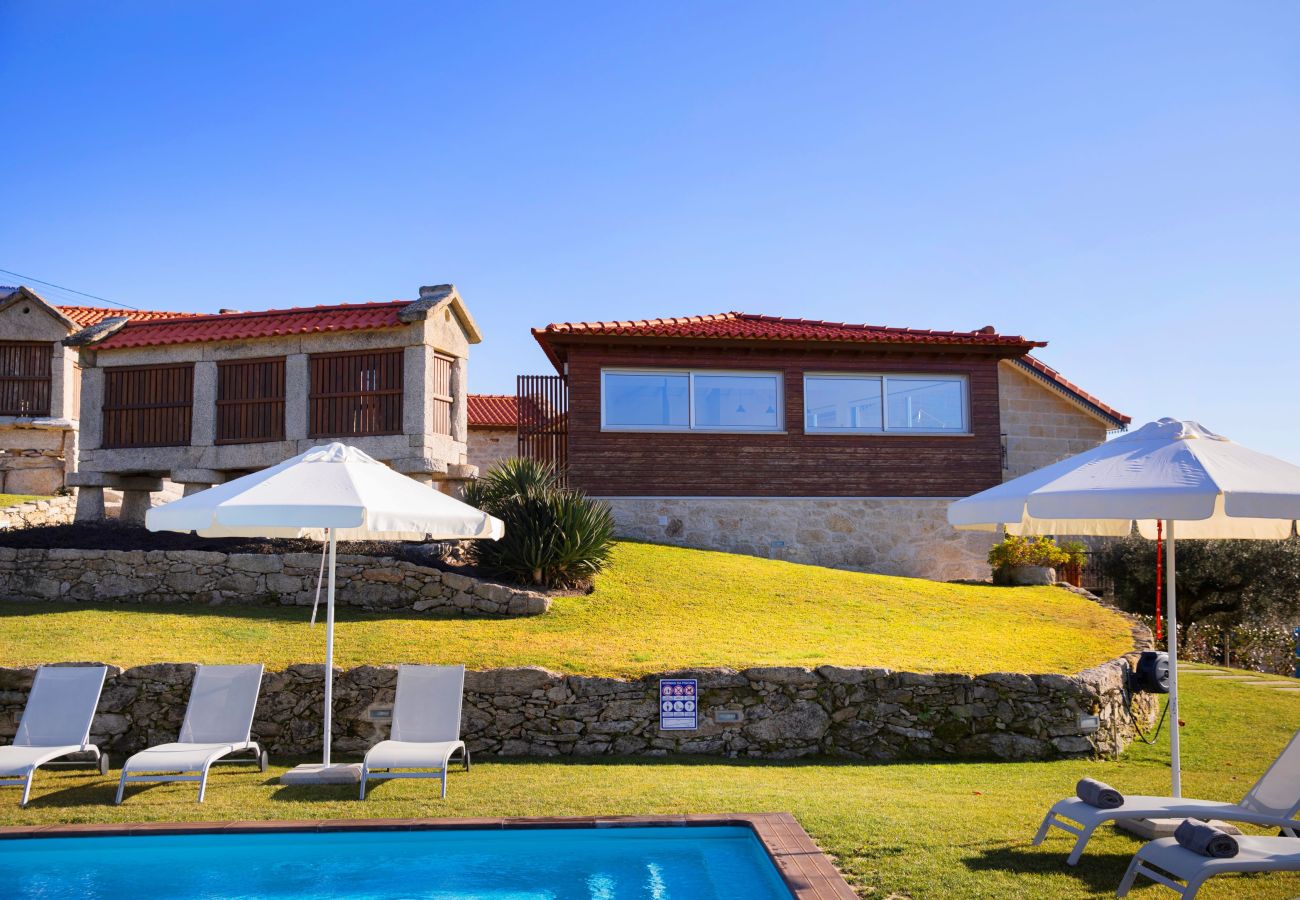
x=493, y=411
x=1047, y=373
x=748, y=326
x=267, y=323
x=85, y=316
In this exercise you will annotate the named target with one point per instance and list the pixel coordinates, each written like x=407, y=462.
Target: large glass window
x=647, y=400
x=871, y=404
x=705, y=401
x=737, y=402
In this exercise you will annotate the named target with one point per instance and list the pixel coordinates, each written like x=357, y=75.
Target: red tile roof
x=264, y=324
x=85, y=316
x=493, y=411
x=1046, y=373
x=748, y=326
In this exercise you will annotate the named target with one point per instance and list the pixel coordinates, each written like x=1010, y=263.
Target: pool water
x=642, y=863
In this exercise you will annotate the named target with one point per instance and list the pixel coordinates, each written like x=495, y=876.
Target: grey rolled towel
x=1098, y=793
x=1205, y=839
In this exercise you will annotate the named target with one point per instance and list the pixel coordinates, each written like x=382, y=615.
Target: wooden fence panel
x=250, y=401
x=148, y=406
x=543, y=410
x=356, y=394
x=24, y=378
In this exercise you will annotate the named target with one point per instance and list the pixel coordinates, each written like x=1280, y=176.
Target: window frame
x=690, y=426
x=885, y=430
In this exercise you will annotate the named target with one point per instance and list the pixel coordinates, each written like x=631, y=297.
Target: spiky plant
x=554, y=537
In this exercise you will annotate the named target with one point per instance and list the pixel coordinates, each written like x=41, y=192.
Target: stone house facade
x=816, y=442
x=493, y=429
x=40, y=382
x=202, y=399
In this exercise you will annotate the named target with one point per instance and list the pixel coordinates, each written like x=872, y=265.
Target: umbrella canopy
x=330, y=493
x=1171, y=470
x=331, y=487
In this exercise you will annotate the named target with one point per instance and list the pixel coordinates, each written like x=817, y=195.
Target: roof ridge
x=288, y=310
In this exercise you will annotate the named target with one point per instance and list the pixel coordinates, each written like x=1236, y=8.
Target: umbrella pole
x=329, y=650
x=1174, y=760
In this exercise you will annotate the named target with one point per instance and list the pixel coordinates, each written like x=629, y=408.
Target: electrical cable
x=69, y=290
x=1138, y=728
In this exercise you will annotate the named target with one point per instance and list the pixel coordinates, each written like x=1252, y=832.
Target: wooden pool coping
x=804, y=868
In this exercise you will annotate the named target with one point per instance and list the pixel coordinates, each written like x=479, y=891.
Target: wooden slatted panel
x=356, y=394
x=250, y=401
x=440, y=388
x=148, y=406
x=24, y=378
x=543, y=410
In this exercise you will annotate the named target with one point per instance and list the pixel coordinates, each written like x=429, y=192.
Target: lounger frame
x=78, y=743
x=432, y=720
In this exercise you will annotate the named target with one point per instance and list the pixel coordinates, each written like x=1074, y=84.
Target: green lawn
x=918, y=830
x=15, y=499
x=657, y=608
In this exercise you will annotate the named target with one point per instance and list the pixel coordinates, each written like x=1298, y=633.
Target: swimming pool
x=725, y=862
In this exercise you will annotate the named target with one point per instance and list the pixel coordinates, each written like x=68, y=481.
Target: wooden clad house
x=201, y=399
x=813, y=441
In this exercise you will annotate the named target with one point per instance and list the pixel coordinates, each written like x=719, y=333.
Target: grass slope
x=15, y=499
x=657, y=608
x=927, y=831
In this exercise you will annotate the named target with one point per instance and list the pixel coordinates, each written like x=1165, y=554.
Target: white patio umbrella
x=330, y=493
x=1173, y=470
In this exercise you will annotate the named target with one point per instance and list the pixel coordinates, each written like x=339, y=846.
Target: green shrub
x=555, y=537
x=1014, y=550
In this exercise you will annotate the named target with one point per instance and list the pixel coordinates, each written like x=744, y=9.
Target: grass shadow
x=1101, y=872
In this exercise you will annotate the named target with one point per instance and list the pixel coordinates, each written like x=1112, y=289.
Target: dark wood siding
x=24, y=378
x=356, y=393
x=148, y=406
x=250, y=401
x=792, y=464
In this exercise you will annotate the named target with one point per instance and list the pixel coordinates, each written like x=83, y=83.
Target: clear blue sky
x=1120, y=179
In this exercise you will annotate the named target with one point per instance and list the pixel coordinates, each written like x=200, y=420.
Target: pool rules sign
x=678, y=704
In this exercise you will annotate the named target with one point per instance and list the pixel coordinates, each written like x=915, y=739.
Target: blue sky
x=1119, y=179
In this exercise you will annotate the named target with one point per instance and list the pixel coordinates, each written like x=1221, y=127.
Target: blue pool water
x=705, y=863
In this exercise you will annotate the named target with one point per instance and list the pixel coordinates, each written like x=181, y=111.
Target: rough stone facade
x=784, y=712
x=35, y=459
x=199, y=576
x=1040, y=425
x=886, y=535
x=54, y=511
x=489, y=446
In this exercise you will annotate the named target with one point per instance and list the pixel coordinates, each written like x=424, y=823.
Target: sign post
x=679, y=708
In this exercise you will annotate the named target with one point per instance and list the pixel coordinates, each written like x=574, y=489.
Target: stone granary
x=202, y=399
x=39, y=386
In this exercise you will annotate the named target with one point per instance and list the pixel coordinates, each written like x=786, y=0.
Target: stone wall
x=1040, y=425
x=201, y=576
x=853, y=713
x=489, y=446
x=54, y=511
x=34, y=459
x=885, y=535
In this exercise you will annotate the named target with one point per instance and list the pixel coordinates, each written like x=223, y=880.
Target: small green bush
x=1014, y=550
x=555, y=537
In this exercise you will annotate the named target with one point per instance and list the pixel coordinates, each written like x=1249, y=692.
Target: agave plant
x=555, y=537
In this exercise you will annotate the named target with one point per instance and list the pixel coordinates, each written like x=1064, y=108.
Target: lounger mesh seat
x=426, y=727
x=1164, y=857
x=1273, y=801
x=218, y=723
x=55, y=723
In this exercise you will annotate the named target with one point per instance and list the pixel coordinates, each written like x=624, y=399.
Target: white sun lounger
x=1273, y=801
x=218, y=722
x=426, y=726
x=55, y=722
x=1256, y=854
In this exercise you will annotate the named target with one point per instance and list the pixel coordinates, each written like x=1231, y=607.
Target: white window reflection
x=702, y=400
x=646, y=400
x=868, y=404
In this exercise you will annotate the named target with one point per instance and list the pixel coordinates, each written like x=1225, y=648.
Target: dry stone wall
x=53, y=511
x=784, y=712
x=208, y=577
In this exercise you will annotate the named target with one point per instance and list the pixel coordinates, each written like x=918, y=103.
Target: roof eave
x=1116, y=420
x=24, y=293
